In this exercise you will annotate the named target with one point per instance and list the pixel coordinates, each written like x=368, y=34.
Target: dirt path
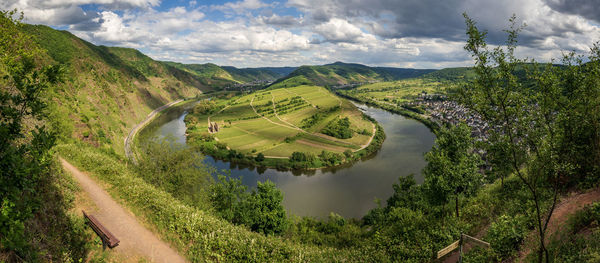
x=567, y=207
x=370, y=139
x=135, y=239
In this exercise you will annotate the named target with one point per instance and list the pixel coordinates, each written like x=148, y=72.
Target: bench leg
x=103, y=245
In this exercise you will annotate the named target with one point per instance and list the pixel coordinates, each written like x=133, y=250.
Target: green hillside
x=340, y=73
x=106, y=90
x=253, y=74
x=452, y=74
x=209, y=74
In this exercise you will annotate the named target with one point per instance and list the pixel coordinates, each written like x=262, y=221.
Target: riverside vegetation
x=210, y=219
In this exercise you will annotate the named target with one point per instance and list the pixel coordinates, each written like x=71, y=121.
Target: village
x=441, y=110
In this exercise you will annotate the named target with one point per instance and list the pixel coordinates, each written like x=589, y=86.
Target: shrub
x=339, y=128
x=263, y=211
x=506, y=234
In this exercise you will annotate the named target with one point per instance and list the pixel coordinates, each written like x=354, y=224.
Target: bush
x=582, y=219
x=339, y=128
x=260, y=210
x=263, y=211
x=506, y=235
x=176, y=169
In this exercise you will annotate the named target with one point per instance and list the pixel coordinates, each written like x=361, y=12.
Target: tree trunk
x=456, y=206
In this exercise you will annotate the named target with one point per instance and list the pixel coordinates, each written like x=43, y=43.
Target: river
x=351, y=190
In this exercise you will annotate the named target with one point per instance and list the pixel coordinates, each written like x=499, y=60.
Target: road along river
x=349, y=190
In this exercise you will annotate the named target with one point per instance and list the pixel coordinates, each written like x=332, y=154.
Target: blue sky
x=256, y=33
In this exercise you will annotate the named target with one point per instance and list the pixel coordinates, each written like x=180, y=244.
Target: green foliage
x=318, y=117
x=407, y=194
x=331, y=159
x=346, y=73
x=227, y=197
x=452, y=166
x=198, y=234
x=260, y=157
x=204, y=107
x=540, y=118
x=34, y=225
x=506, y=235
x=176, y=169
x=253, y=74
x=580, y=241
x=338, y=128
x=335, y=231
x=23, y=159
x=263, y=211
x=586, y=217
x=300, y=160
x=260, y=210
x=452, y=75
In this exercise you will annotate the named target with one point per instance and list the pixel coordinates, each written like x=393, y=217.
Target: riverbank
x=209, y=145
x=128, y=141
x=434, y=127
x=287, y=129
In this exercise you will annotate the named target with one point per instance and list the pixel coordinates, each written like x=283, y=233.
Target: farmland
x=395, y=96
x=276, y=123
x=395, y=92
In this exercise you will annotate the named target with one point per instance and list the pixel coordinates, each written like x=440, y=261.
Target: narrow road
x=135, y=239
x=134, y=131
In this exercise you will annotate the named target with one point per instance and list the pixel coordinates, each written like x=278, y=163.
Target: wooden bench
x=108, y=239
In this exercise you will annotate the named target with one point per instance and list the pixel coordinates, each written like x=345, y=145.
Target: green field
x=395, y=92
x=272, y=122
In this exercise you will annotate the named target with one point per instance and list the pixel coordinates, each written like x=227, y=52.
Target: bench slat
x=104, y=234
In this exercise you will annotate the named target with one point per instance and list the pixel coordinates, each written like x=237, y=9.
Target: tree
x=226, y=197
x=524, y=115
x=260, y=157
x=263, y=211
x=24, y=141
x=176, y=169
x=452, y=166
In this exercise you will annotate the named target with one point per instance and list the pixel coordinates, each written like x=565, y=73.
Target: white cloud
x=339, y=30
x=425, y=33
x=240, y=7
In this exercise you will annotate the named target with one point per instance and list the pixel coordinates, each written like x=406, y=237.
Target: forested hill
x=346, y=73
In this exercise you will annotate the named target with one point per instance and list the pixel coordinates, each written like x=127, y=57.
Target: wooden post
x=461, y=243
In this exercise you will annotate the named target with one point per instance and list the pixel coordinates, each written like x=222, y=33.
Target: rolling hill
x=340, y=73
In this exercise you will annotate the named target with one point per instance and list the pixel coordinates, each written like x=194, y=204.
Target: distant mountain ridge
x=340, y=73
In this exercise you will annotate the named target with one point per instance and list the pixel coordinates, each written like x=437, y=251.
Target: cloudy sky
x=254, y=33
